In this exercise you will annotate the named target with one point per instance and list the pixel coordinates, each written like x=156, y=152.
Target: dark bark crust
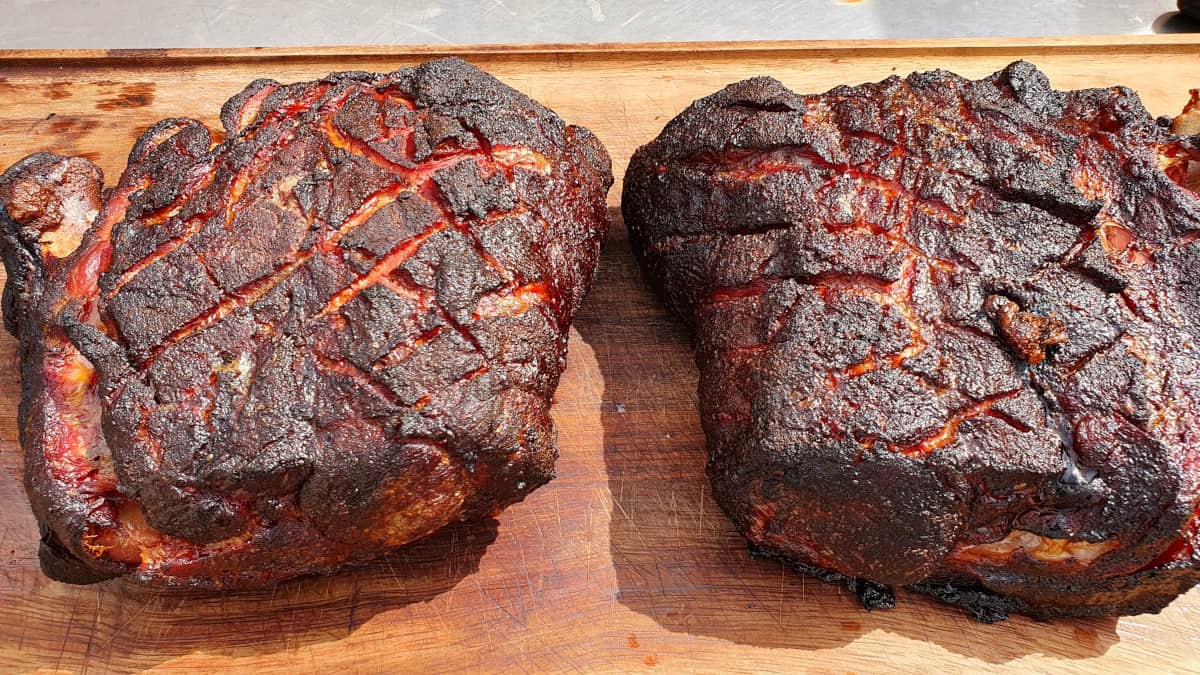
x=324, y=337
x=945, y=329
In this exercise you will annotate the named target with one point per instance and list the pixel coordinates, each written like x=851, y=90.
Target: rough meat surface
x=946, y=332
x=329, y=335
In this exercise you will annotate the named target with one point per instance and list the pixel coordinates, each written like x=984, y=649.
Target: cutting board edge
x=1088, y=42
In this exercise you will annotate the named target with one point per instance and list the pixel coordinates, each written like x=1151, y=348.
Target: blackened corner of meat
x=871, y=594
x=60, y=564
x=946, y=331
x=327, y=336
x=983, y=605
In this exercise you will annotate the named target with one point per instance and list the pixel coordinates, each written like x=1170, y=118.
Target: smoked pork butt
x=946, y=332
x=325, y=332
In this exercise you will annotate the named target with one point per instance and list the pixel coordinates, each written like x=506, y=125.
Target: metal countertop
x=40, y=24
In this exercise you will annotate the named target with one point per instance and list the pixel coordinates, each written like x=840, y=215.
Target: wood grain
x=624, y=561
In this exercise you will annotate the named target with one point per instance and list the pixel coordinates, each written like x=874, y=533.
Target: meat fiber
x=326, y=336
x=946, y=332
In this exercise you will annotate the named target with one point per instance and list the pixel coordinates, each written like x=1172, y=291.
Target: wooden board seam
x=627, y=48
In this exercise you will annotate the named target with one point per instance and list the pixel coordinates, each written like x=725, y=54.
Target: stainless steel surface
x=243, y=23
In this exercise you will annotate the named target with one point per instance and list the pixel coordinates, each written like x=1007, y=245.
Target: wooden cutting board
x=624, y=561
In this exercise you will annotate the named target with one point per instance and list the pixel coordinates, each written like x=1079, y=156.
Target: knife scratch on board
x=87, y=652
x=141, y=610
x=67, y=633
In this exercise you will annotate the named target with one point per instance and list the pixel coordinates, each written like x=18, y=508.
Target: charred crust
x=60, y=564
x=233, y=110
x=25, y=274
x=872, y=595
x=983, y=605
x=33, y=193
x=944, y=332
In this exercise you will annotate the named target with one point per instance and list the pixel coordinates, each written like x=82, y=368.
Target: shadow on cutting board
x=679, y=561
x=120, y=626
